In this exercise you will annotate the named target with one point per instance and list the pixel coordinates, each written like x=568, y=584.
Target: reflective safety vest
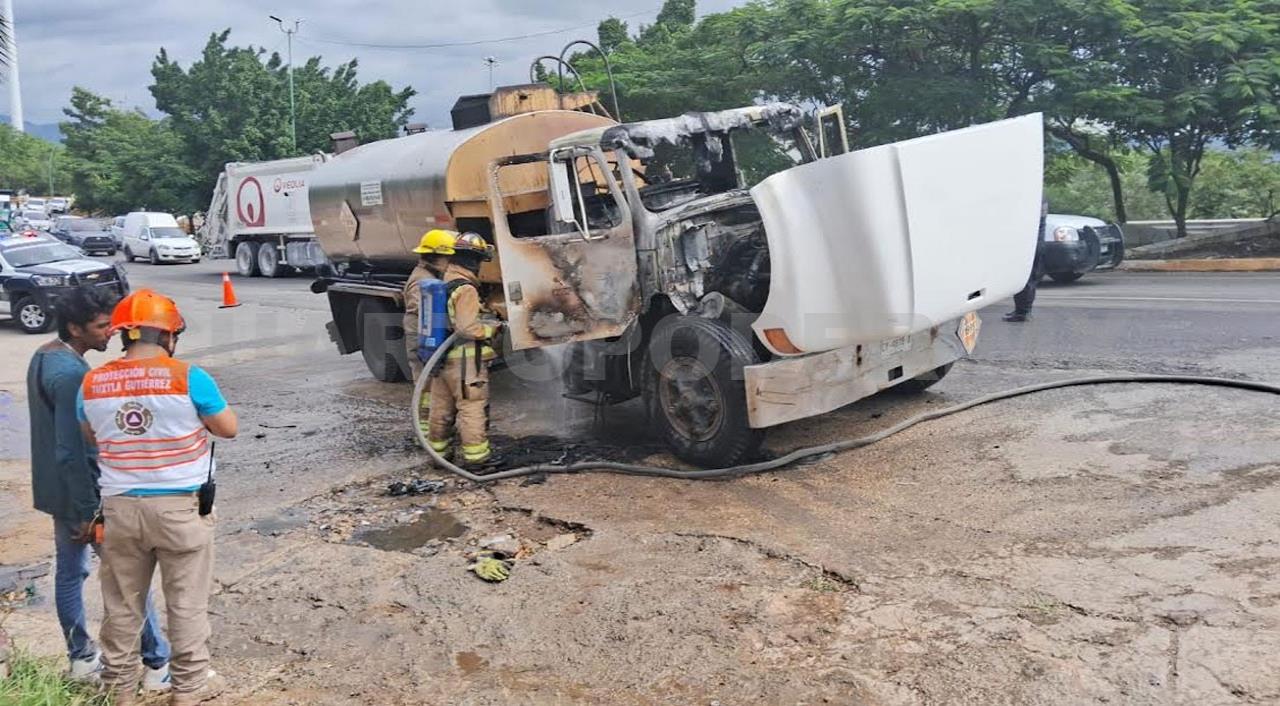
x=149, y=434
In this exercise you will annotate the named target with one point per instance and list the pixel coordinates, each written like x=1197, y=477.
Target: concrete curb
x=1242, y=264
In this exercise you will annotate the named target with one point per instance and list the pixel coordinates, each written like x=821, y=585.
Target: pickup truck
x=1076, y=245
x=35, y=270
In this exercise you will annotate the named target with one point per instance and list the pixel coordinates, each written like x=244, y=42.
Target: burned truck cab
x=736, y=276
x=651, y=240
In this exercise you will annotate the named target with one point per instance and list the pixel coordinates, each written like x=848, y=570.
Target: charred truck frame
x=656, y=281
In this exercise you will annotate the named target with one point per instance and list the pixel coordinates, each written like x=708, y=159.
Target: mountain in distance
x=44, y=131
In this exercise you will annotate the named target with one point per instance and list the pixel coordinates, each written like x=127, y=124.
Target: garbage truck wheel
x=381, y=339
x=923, y=382
x=695, y=392
x=247, y=259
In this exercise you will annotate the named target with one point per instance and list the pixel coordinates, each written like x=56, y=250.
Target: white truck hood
x=891, y=240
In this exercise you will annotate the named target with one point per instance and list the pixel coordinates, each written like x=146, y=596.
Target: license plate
x=968, y=331
x=894, y=346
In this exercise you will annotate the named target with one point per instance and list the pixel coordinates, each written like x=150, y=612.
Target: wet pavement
x=1113, y=544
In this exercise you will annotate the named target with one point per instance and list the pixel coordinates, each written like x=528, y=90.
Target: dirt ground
x=1113, y=544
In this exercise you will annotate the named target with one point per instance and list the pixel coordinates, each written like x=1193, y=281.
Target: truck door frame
x=565, y=287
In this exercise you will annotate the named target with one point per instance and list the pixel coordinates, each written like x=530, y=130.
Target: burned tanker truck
x=736, y=270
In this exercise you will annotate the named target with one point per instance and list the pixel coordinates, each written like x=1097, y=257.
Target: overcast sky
x=107, y=45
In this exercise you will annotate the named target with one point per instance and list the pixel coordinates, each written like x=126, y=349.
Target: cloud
x=107, y=46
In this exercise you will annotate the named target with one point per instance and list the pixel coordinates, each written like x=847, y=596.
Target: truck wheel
x=247, y=259
x=695, y=393
x=269, y=261
x=381, y=339
x=31, y=316
x=1065, y=277
x=923, y=382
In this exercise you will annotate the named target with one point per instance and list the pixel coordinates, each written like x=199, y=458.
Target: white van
x=157, y=237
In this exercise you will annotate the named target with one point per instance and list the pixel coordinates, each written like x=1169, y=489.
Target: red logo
x=251, y=207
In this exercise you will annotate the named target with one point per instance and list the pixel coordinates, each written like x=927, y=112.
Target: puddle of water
x=432, y=524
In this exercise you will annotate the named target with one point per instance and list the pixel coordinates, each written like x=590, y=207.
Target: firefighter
x=151, y=417
x=459, y=388
x=433, y=251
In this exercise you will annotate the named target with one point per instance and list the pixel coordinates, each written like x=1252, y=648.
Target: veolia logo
x=250, y=204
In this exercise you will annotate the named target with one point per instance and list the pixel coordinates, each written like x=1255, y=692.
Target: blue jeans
x=72, y=559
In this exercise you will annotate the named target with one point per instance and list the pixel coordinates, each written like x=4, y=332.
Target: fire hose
x=807, y=452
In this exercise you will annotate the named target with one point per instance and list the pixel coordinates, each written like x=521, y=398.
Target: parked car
x=88, y=234
x=117, y=230
x=1077, y=245
x=36, y=269
x=58, y=204
x=157, y=237
x=35, y=203
x=35, y=218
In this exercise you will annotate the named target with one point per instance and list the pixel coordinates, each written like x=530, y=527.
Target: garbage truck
x=259, y=215
x=735, y=270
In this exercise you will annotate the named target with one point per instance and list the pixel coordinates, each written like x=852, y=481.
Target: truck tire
x=247, y=259
x=269, y=261
x=1065, y=277
x=695, y=393
x=923, y=382
x=31, y=316
x=381, y=339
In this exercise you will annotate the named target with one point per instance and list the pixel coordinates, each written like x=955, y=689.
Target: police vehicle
x=36, y=269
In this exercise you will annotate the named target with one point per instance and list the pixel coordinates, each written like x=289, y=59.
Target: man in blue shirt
x=64, y=477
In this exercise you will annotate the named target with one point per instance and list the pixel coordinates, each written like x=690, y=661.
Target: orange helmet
x=147, y=309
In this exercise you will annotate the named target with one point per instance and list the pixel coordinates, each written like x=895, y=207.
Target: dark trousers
x=1023, y=300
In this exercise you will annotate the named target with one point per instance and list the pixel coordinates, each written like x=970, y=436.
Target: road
x=1114, y=543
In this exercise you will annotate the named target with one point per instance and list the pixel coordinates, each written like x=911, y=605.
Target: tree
x=26, y=161
x=232, y=104
x=121, y=160
x=1198, y=71
x=611, y=33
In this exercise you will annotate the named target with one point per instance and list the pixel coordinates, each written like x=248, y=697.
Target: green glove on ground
x=492, y=569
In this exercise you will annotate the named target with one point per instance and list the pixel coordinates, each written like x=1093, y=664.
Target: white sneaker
x=86, y=670
x=156, y=679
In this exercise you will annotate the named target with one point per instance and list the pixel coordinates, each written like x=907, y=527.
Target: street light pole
x=293, y=117
x=490, y=61
x=51, y=151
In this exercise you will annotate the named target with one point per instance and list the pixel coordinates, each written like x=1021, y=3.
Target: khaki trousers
x=467, y=404
x=410, y=324
x=142, y=533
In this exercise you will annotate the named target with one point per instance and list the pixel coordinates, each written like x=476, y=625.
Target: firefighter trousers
x=460, y=393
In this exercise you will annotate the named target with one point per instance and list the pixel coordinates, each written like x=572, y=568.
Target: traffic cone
x=228, y=293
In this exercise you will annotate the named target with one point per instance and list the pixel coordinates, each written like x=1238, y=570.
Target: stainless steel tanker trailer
x=736, y=270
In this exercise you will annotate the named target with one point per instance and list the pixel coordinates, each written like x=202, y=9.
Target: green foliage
x=611, y=34
x=34, y=681
x=232, y=105
x=1241, y=184
x=122, y=160
x=1232, y=184
x=1169, y=76
x=25, y=163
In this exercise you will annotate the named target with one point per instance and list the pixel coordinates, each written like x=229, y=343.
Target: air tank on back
x=371, y=203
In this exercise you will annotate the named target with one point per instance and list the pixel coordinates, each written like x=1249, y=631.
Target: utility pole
x=293, y=117
x=15, y=89
x=491, y=61
x=52, y=149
